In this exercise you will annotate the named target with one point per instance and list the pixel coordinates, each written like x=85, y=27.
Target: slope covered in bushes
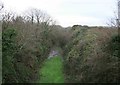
x=92, y=56
x=26, y=45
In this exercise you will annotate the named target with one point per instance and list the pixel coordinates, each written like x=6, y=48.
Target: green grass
x=52, y=71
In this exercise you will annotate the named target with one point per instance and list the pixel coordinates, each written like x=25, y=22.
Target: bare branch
x=1, y=6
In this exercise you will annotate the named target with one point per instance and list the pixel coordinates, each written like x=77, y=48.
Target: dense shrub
x=89, y=58
x=23, y=51
x=9, y=48
x=115, y=46
x=26, y=46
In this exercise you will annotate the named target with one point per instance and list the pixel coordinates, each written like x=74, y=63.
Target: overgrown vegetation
x=26, y=44
x=93, y=56
x=9, y=48
x=90, y=54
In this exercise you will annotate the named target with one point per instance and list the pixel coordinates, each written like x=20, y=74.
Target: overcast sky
x=69, y=12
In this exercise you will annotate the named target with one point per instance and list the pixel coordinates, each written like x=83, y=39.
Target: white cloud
x=70, y=20
x=21, y=5
x=68, y=12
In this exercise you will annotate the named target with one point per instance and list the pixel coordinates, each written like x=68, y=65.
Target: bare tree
x=38, y=16
x=30, y=16
x=1, y=6
x=118, y=20
x=115, y=21
x=41, y=24
x=7, y=17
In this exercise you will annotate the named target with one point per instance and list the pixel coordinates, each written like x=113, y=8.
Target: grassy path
x=52, y=71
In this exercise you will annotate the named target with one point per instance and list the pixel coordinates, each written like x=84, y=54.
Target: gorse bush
x=26, y=65
x=115, y=46
x=89, y=58
x=14, y=68
x=9, y=48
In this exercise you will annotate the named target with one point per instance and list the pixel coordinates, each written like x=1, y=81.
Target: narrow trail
x=52, y=71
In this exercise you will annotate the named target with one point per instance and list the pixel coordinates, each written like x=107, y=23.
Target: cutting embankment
x=92, y=56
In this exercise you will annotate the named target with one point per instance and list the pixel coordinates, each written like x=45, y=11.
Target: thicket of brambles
x=26, y=43
x=90, y=54
x=93, y=56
